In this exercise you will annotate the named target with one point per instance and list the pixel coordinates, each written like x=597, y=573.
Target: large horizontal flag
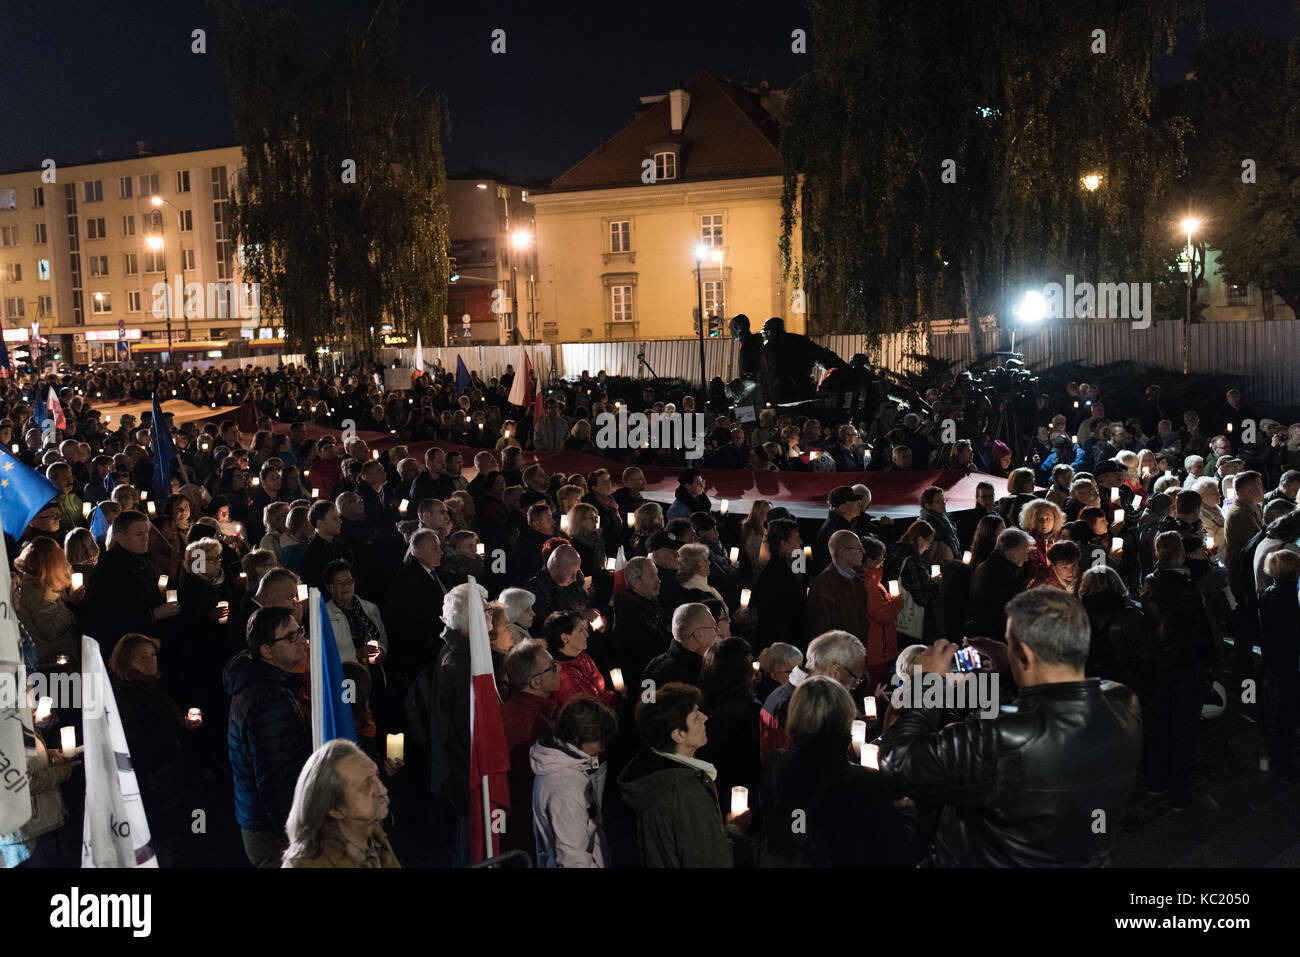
x=23, y=492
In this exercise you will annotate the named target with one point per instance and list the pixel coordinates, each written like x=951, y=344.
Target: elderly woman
x=1212, y=518
x=648, y=519
x=273, y=518
x=566, y=634
x=569, y=786
x=44, y=599
x=693, y=573
x=848, y=810
x=339, y=806
x=1043, y=521
x=358, y=627
x=518, y=605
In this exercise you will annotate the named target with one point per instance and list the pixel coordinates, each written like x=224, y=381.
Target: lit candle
x=375, y=454
x=68, y=738
x=256, y=481
x=395, y=749
x=965, y=558
x=1114, y=495
x=722, y=509
x=43, y=708
x=372, y=651
x=144, y=496
x=1117, y=544
x=1209, y=541
x=631, y=519
x=302, y=592
x=1146, y=472
x=739, y=800
x=859, y=733
x=871, y=756
x=243, y=576
x=86, y=509
x=151, y=508
x=934, y=571
x=223, y=612
x=1119, y=516
x=610, y=563
x=481, y=549
x=1074, y=439
x=78, y=579
x=162, y=582
x=616, y=679
x=1229, y=426
x=564, y=523
x=869, y=706
x=757, y=666
x=597, y=623
x=744, y=597
x=894, y=589
x=315, y=493
x=61, y=660
x=807, y=551
x=735, y=556
x=195, y=714
x=306, y=473
x=171, y=594
x=1076, y=403
x=15, y=448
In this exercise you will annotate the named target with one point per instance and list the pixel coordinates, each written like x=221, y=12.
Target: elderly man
x=966, y=520
x=995, y=582
x=1287, y=487
x=339, y=806
x=629, y=496
x=558, y=586
x=845, y=506
x=641, y=630
x=1074, y=741
x=431, y=482
x=934, y=509
x=694, y=632
x=526, y=716
x=836, y=654
x=268, y=737
x=837, y=598
x=663, y=546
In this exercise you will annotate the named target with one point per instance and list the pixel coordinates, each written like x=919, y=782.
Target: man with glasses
x=694, y=632
x=836, y=654
x=837, y=598
x=269, y=736
x=526, y=716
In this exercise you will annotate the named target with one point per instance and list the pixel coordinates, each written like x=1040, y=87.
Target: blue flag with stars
x=23, y=493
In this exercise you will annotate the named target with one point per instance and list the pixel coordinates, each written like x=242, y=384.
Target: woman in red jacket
x=566, y=637
x=882, y=609
x=1042, y=520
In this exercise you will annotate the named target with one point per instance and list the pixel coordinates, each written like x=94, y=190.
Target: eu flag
x=39, y=412
x=23, y=493
x=331, y=711
x=164, y=454
x=462, y=377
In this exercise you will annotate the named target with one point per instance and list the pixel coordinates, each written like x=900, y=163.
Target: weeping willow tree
x=341, y=212
x=1017, y=104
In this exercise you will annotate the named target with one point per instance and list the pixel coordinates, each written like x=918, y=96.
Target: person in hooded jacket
x=1121, y=645
x=569, y=786
x=1279, y=619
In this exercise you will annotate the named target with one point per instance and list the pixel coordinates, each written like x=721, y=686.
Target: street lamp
x=1092, y=182
x=1189, y=226
x=522, y=239
x=1032, y=307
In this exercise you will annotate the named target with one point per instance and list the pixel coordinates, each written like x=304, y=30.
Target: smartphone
x=967, y=659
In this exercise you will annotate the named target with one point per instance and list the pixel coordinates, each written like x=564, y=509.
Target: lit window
x=665, y=166
x=711, y=230
x=101, y=303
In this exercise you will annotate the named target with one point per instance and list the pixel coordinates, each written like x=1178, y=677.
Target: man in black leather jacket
x=1046, y=781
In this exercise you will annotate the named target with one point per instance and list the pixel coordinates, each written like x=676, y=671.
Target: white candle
x=144, y=496
x=735, y=556
x=195, y=714
x=315, y=493
x=481, y=549
x=807, y=551
x=255, y=481
x=859, y=732
x=1076, y=403
x=631, y=519
x=616, y=679
x=223, y=612
x=1229, y=426
x=597, y=623
x=965, y=558
x=162, y=582
x=68, y=738
x=395, y=749
x=78, y=579
x=744, y=597
x=43, y=708
x=61, y=660
x=722, y=509
x=1114, y=495
x=1116, y=544
x=171, y=594
x=757, y=666
x=1074, y=439
x=610, y=563
x=151, y=508
x=934, y=571
x=1209, y=541
x=564, y=523
x=739, y=800
x=302, y=592
x=894, y=589
x=86, y=509
x=869, y=706
x=306, y=473
x=375, y=454
x=372, y=651
x=871, y=756
x=403, y=504
x=1119, y=516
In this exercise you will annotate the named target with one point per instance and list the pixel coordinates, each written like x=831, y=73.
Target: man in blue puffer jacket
x=269, y=736
x=1063, y=451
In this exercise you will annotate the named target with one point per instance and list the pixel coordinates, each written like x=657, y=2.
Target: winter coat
x=343, y=631
x=411, y=618
x=678, y=821
x=151, y=722
x=780, y=606
x=1174, y=609
x=437, y=714
x=1279, y=621
x=580, y=678
x=568, y=787
x=121, y=597
x=1121, y=648
x=268, y=740
x=49, y=620
x=882, y=608
x=678, y=663
x=641, y=633
x=733, y=746
x=995, y=582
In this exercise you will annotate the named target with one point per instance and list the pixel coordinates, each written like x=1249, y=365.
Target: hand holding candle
x=616, y=679
x=871, y=756
x=78, y=579
x=744, y=597
x=739, y=801
x=895, y=589
x=68, y=739
x=395, y=749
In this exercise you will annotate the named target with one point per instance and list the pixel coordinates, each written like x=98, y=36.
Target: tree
x=943, y=149
x=341, y=212
x=1245, y=104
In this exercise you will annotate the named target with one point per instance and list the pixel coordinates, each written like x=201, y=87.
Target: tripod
x=640, y=358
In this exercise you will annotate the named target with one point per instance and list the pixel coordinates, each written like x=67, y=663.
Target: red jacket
x=525, y=718
x=882, y=609
x=580, y=678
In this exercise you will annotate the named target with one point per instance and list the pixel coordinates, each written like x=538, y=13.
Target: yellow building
x=696, y=173
x=80, y=254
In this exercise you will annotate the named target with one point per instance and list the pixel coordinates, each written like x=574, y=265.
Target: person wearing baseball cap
x=662, y=547
x=845, y=505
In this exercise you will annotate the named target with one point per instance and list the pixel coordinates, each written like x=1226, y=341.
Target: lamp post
x=1189, y=226
x=1031, y=308
x=521, y=240
x=157, y=245
x=700, y=252
x=1092, y=182
x=180, y=234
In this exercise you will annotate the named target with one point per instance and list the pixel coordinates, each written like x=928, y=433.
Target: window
x=124, y=184
x=133, y=301
x=95, y=229
x=149, y=184
x=128, y=225
x=1238, y=295
x=130, y=264
x=8, y=199
x=714, y=303
x=187, y=259
x=665, y=166
x=620, y=236
x=44, y=306
x=187, y=220
x=621, y=300
x=38, y=197
x=153, y=261
x=14, y=272
x=98, y=265
x=101, y=302
x=40, y=239
x=94, y=190
x=14, y=308
x=711, y=230
x=182, y=181
x=43, y=270
x=8, y=235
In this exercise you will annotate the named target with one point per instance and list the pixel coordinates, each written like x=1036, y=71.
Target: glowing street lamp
x=1091, y=182
x=1032, y=307
x=1189, y=226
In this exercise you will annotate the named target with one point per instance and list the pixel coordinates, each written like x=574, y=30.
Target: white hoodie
x=567, y=792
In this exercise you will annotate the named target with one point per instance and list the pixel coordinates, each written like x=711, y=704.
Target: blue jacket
x=268, y=740
x=1045, y=470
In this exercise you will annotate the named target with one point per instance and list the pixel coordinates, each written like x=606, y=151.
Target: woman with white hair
x=1212, y=517
x=518, y=603
x=1195, y=468
x=339, y=806
x=693, y=573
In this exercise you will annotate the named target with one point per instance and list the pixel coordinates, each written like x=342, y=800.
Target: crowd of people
x=679, y=686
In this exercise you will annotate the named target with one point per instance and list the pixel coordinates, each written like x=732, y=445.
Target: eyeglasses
x=545, y=671
x=296, y=636
x=342, y=582
x=857, y=679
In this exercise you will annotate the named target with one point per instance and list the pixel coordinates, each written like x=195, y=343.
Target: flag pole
x=488, y=850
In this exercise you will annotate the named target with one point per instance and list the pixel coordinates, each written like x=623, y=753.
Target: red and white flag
x=489, y=759
x=56, y=410
x=522, y=389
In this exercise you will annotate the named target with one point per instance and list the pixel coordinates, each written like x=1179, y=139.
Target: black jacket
x=1023, y=789
x=551, y=597
x=642, y=631
x=412, y=618
x=121, y=596
x=268, y=740
x=780, y=601
x=1279, y=621
x=1121, y=648
x=821, y=556
x=994, y=583
x=320, y=553
x=1176, y=614
x=678, y=663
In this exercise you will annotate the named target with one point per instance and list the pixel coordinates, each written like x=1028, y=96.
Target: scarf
x=606, y=502
x=693, y=763
x=362, y=628
x=696, y=503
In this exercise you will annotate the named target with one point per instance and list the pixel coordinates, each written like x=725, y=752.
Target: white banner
x=15, y=716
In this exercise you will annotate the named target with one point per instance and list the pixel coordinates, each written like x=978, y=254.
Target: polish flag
x=55, y=408
x=489, y=760
x=521, y=390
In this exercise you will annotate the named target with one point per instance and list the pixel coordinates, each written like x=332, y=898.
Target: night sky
x=85, y=77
